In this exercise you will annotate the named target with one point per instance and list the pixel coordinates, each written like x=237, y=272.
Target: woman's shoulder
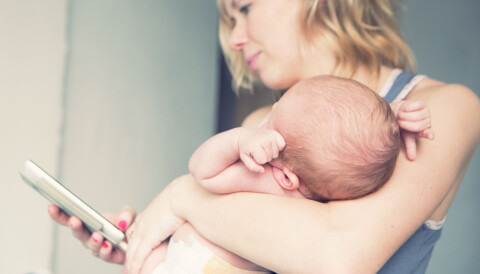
x=455, y=101
x=256, y=117
x=429, y=89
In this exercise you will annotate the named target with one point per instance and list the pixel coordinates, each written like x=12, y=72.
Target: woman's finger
x=139, y=255
x=58, y=215
x=125, y=217
x=105, y=252
x=122, y=218
x=94, y=243
x=157, y=255
x=78, y=230
x=110, y=254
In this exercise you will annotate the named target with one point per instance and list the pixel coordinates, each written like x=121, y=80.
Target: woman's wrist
x=184, y=192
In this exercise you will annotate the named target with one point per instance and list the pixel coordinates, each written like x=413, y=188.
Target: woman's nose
x=238, y=38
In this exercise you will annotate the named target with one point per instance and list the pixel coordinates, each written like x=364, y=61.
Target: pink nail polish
x=94, y=240
x=105, y=245
x=122, y=225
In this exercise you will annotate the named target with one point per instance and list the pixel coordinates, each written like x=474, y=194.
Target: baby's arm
x=216, y=166
x=414, y=122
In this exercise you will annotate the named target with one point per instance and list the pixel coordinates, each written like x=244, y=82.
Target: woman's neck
x=375, y=81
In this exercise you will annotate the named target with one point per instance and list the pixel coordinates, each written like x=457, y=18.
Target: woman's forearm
x=358, y=236
x=290, y=235
x=282, y=234
x=293, y=235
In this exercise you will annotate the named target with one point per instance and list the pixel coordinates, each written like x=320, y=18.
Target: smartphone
x=59, y=195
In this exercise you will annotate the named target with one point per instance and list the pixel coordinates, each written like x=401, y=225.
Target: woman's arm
x=294, y=235
x=349, y=236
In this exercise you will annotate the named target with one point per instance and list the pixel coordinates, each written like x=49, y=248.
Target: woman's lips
x=252, y=61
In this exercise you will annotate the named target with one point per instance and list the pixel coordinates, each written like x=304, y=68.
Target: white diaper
x=185, y=257
x=192, y=257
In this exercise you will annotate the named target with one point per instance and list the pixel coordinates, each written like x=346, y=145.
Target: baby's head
x=342, y=139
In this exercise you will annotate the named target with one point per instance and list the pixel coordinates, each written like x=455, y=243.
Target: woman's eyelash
x=244, y=9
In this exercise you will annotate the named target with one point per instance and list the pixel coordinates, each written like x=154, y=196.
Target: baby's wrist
x=395, y=106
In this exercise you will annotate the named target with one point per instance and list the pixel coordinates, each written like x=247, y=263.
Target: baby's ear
x=285, y=178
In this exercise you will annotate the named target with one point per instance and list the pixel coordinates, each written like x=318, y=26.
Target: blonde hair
x=346, y=144
x=361, y=32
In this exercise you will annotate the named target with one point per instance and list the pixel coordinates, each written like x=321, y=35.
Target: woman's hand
x=94, y=241
x=152, y=227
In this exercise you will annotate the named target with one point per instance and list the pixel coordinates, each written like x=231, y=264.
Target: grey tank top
x=414, y=255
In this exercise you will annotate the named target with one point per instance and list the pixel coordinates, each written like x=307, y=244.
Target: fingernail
x=105, y=245
x=122, y=225
x=70, y=222
x=94, y=240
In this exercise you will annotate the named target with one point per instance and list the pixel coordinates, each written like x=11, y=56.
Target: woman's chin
x=277, y=83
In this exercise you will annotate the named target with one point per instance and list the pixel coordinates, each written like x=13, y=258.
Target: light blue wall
x=140, y=96
x=445, y=37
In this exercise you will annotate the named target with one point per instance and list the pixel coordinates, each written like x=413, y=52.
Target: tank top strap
x=399, y=84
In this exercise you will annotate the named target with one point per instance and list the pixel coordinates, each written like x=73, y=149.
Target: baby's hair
x=347, y=141
x=361, y=32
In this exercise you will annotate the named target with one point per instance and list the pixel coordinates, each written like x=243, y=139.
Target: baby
x=327, y=139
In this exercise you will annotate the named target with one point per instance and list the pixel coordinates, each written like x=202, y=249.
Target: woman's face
x=267, y=33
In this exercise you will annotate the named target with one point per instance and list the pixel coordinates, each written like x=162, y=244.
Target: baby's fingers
x=276, y=146
x=409, y=106
x=414, y=126
x=251, y=164
x=410, y=145
x=427, y=133
x=280, y=141
x=414, y=115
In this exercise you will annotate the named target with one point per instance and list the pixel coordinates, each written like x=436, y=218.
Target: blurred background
x=112, y=97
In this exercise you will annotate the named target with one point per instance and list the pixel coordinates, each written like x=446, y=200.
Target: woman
x=283, y=42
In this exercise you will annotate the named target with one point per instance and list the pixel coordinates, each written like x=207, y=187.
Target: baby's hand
x=258, y=146
x=415, y=122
